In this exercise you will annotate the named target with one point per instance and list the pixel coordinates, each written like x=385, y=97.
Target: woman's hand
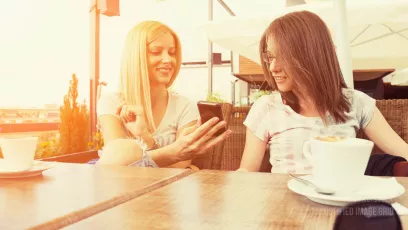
x=133, y=117
x=198, y=139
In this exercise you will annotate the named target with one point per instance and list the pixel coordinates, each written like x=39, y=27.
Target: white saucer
x=36, y=169
x=377, y=188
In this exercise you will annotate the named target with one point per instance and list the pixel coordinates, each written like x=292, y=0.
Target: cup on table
x=338, y=162
x=18, y=153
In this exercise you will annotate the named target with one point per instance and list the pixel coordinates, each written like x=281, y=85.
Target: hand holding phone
x=195, y=140
x=209, y=110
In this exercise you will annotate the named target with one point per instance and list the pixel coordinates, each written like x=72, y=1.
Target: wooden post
x=210, y=50
x=94, y=61
x=342, y=42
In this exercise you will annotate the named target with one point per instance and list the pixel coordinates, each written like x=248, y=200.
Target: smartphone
x=209, y=110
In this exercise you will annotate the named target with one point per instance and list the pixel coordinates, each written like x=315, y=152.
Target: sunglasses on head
x=368, y=214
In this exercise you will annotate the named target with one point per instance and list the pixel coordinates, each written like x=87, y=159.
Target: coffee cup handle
x=306, y=150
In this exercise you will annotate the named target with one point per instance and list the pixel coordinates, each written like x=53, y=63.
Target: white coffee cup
x=338, y=164
x=18, y=153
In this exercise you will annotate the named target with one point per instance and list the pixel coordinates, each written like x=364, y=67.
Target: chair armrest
x=400, y=169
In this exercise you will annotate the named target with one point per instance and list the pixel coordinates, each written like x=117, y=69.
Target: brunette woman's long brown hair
x=306, y=52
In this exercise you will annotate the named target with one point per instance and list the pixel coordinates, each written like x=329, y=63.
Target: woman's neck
x=158, y=96
x=306, y=106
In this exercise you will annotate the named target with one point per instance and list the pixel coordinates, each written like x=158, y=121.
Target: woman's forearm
x=127, y=151
x=402, y=151
x=120, y=152
x=166, y=155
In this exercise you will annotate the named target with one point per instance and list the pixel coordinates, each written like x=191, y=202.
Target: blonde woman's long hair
x=134, y=74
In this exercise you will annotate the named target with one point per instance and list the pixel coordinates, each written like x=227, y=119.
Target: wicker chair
x=235, y=144
x=212, y=159
x=394, y=111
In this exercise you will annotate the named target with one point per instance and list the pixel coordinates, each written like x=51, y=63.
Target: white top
x=180, y=111
x=285, y=131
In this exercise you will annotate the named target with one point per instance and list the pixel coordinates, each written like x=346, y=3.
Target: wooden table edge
x=89, y=211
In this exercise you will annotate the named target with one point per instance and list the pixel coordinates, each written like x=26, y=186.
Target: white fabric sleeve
x=365, y=106
x=257, y=118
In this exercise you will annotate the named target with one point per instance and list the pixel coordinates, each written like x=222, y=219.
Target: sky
x=44, y=42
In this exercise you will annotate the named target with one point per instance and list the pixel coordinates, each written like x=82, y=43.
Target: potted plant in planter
x=215, y=97
x=257, y=94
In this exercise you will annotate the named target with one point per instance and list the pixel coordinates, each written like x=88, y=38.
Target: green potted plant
x=215, y=97
x=257, y=94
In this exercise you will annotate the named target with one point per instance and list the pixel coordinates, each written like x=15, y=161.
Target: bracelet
x=146, y=160
x=142, y=142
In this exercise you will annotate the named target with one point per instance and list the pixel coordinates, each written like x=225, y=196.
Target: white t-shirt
x=180, y=111
x=285, y=131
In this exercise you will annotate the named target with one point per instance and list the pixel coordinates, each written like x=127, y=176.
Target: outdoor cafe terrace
x=61, y=190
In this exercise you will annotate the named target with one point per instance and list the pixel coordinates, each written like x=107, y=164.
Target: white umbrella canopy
x=377, y=29
x=398, y=77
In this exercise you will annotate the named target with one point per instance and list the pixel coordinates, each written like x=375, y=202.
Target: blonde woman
x=143, y=123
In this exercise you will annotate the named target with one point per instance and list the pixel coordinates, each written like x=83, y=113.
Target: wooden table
x=70, y=192
x=221, y=200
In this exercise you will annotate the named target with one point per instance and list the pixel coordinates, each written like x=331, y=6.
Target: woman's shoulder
x=362, y=106
x=357, y=97
x=179, y=98
x=267, y=104
x=273, y=99
x=180, y=102
x=182, y=109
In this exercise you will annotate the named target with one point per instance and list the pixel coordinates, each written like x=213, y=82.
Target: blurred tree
x=74, y=128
